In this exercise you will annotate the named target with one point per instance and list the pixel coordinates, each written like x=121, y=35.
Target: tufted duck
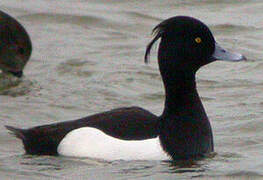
x=182, y=131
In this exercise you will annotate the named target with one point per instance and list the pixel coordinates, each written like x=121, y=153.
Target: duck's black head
x=186, y=45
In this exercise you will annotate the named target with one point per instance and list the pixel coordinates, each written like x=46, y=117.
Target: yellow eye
x=198, y=40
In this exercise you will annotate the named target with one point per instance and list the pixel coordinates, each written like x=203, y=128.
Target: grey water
x=88, y=58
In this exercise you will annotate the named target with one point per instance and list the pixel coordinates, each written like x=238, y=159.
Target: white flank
x=93, y=143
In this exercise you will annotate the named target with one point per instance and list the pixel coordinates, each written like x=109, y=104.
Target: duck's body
x=183, y=129
x=132, y=123
x=15, y=45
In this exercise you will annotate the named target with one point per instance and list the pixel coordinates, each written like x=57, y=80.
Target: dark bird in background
x=15, y=45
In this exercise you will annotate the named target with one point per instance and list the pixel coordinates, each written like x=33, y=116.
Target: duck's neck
x=185, y=131
x=180, y=92
x=181, y=96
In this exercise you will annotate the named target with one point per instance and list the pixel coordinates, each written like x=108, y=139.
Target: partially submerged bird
x=15, y=45
x=182, y=132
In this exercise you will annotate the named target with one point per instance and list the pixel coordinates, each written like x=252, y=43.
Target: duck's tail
x=19, y=133
x=41, y=140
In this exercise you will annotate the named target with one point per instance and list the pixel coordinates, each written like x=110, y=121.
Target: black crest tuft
x=157, y=32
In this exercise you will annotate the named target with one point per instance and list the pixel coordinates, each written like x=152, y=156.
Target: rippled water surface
x=88, y=58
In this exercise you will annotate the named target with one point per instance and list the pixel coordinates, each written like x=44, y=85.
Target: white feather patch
x=93, y=143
